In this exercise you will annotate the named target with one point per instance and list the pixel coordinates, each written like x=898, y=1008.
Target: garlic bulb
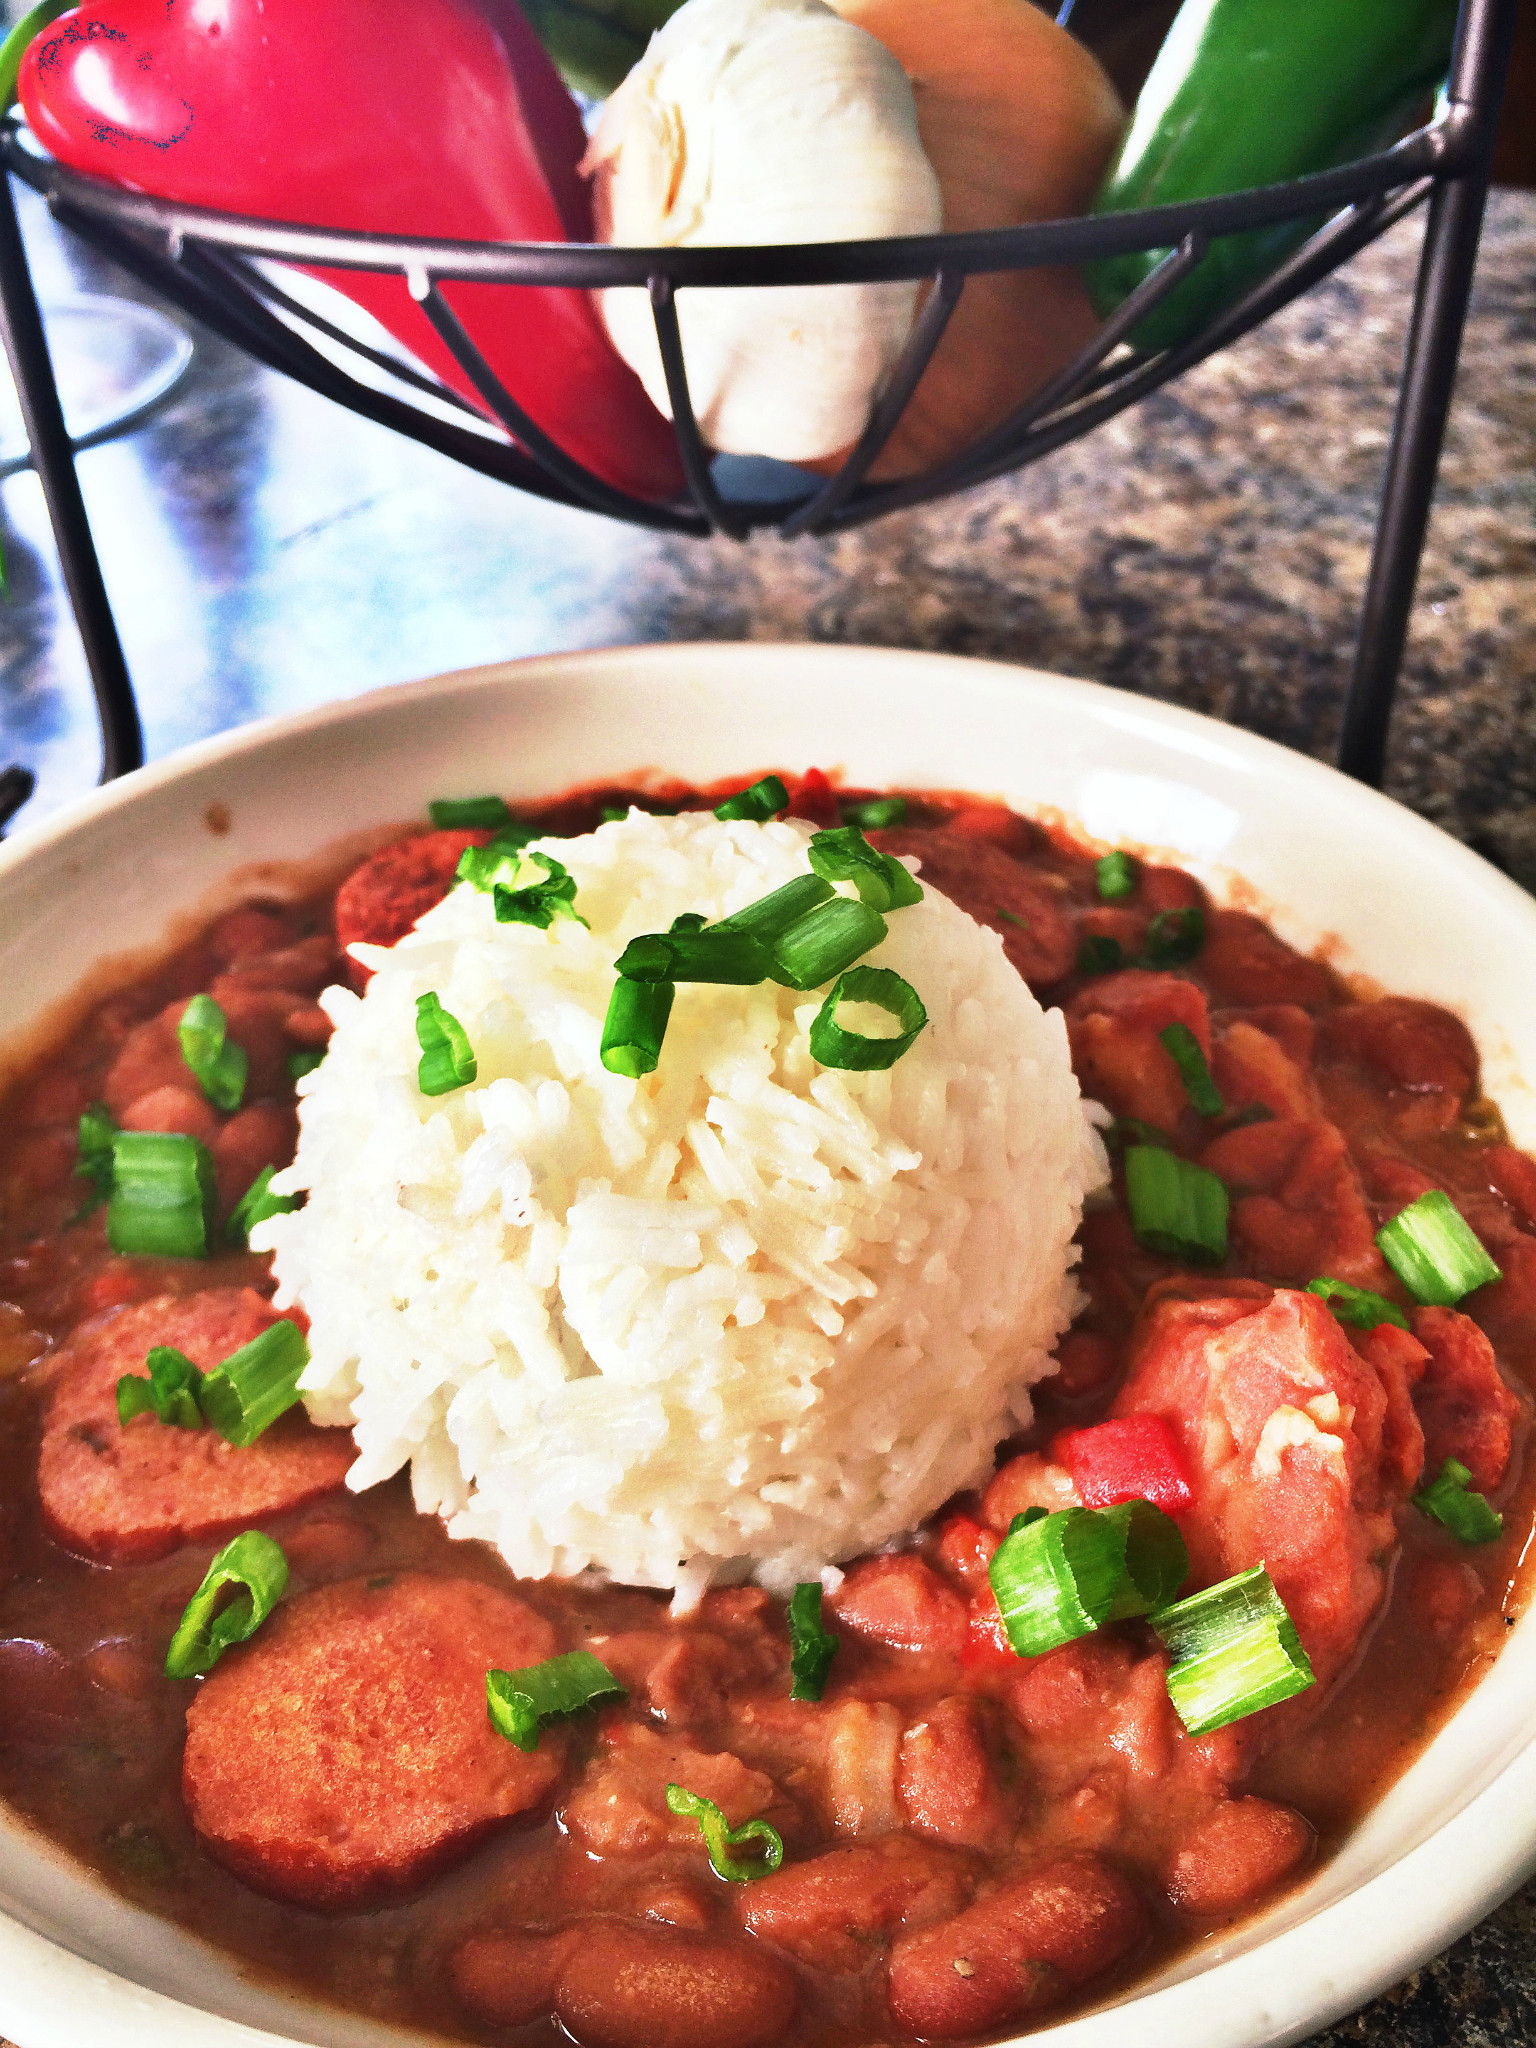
x=758, y=122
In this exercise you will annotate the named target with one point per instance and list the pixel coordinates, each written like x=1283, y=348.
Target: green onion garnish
x=304, y=1061
x=468, y=813
x=521, y=1703
x=1130, y=1130
x=720, y=1838
x=1235, y=1651
x=171, y=1391
x=1181, y=1043
x=98, y=1127
x=1177, y=1208
x=875, y=813
x=818, y=946
x=1115, y=877
x=635, y=1025
x=447, y=1059
x=256, y=1384
x=772, y=915
x=845, y=855
x=482, y=867
x=256, y=1205
x=712, y=955
x=764, y=800
x=1250, y=1113
x=255, y=1564
x=1433, y=1250
x=832, y=1045
x=162, y=1195
x=1357, y=1305
x=1451, y=1501
x=539, y=903
x=1174, y=936
x=610, y=814
x=1060, y=1576
x=218, y=1063
x=811, y=1646
x=1099, y=954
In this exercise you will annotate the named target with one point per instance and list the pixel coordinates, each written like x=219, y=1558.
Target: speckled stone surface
x=266, y=552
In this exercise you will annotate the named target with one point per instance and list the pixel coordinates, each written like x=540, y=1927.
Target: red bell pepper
x=441, y=118
x=1130, y=1457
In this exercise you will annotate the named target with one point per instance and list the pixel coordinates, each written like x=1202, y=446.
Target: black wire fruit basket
x=220, y=269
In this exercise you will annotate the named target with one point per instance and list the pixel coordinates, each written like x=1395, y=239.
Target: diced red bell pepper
x=987, y=1647
x=1130, y=1457
x=438, y=118
x=814, y=797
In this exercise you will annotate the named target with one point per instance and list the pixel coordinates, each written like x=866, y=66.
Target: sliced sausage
x=997, y=891
x=380, y=901
x=345, y=1753
x=124, y=1495
x=1023, y=1947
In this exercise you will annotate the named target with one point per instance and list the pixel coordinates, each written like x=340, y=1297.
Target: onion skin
x=1019, y=122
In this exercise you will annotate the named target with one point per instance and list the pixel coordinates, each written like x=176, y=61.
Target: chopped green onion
x=1115, y=877
x=482, y=867
x=1099, y=954
x=468, y=813
x=1433, y=1250
x=772, y=915
x=818, y=946
x=1357, y=1305
x=162, y=1195
x=689, y=921
x=635, y=1025
x=1011, y=917
x=304, y=1061
x=447, y=1059
x=875, y=813
x=610, y=814
x=713, y=955
x=256, y=1205
x=1174, y=937
x=1451, y=1501
x=98, y=1127
x=521, y=1703
x=255, y=1564
x=256, y=1384
x=1177, y=1208
x=1235, y=1651
x=764, y=800
x=218, y=1063
x=538, y=903
x=1063, y=1575
x=1250, y=1113
x=845, y=855
x=811, y=1646
x=832, y=1045
x=720, y=1838
x=171, y=1391
x=1184, y=1048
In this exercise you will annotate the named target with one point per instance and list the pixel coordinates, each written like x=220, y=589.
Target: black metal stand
x=214, y=267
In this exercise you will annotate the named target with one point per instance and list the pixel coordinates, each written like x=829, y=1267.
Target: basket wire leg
x=1424, y=398
x=21, y=325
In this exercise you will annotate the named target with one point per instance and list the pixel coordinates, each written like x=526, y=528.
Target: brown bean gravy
x=972, y=1839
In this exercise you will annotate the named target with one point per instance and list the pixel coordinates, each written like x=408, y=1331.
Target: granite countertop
x=266, y=552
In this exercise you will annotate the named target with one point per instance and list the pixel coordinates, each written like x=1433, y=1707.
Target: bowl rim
x=1266, y=1995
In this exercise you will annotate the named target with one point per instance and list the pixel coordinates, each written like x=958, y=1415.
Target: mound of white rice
x=747, y=1312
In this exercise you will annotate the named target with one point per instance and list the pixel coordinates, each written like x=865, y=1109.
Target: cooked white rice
x=746, y=1312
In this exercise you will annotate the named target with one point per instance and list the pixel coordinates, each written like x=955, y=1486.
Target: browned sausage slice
x=123, y=1496
x=996, y=890
x=1023, y=1947
x=344, y=1753
x=380, y=901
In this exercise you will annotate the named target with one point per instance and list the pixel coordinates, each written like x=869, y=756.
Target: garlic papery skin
x=755, y=122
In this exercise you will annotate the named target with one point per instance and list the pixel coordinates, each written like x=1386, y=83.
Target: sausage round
x=125, y=1495
x=345, y=1753
x=380, y=901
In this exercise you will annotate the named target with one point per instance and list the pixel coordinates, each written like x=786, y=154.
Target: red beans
x=510, y=1980
x=945, y=1780
x=172, y=1107
x=344, y=1753
x=998, y=891
x=1117, y=1053
x=124, y=1495
x=829, y=1910
x=629, y=1986
x=1243, y=1850
x=1022, y=1948
x=1243, y=961
x=1410, y=1044
x=902, y=1602
x=1466, y=1409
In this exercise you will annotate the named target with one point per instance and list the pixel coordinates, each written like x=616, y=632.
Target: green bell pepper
x=596, y=42
x=1253, y=92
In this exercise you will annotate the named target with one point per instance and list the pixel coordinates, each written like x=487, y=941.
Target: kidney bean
x=172, y=1107
x=629, y=1986
x=902, y=1602
x=510, y=1980
x=1239, y=1852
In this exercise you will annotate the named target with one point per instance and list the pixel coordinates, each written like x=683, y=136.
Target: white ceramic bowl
x=1332, y=863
